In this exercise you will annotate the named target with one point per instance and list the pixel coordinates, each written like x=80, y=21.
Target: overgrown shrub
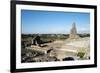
x=81, y=54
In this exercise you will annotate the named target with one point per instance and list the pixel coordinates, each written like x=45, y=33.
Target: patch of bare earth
x=66, y=48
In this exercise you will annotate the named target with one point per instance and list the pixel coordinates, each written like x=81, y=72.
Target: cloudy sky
x=52, y=22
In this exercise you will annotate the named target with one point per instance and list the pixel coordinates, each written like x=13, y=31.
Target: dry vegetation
x=55, y=47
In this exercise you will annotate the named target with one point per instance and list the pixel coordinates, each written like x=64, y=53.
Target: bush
x=81, y=54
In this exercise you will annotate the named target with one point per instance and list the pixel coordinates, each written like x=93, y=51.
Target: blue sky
x=51, y=22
